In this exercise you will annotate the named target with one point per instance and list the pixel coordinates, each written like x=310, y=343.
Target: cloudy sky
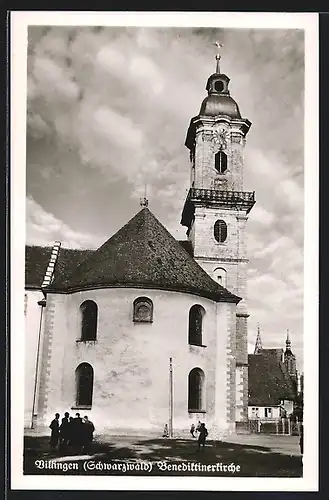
x=108, y=111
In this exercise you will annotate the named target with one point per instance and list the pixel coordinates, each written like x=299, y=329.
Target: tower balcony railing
x=236, y=200
x=222, y=196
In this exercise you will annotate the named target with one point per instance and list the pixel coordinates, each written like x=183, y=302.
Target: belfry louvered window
x=220, y=231
x=221, y=162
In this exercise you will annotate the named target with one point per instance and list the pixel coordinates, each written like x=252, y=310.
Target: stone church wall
x=131, y=360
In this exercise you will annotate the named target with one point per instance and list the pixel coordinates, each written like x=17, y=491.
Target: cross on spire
x=258, y=345
x=218, y=56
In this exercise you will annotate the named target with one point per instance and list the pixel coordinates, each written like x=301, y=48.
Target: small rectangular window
x=254, y=412
x=268, y=412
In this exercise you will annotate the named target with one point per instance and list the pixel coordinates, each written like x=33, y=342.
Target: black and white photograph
x=164, y=206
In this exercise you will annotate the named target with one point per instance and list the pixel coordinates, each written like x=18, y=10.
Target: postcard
x=164, y=196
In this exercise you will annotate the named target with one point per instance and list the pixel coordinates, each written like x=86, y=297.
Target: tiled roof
x=36, y=261
x=37, y=258
x=142, y=254
x=268, y=380
x=68, y=261
x=274, y=352
x=187, y=245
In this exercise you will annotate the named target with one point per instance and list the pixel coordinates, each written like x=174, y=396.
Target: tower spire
x=218, y=56
x=258, y=345
x=144, y=202
x=288, y=341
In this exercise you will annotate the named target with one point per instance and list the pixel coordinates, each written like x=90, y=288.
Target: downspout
x=42, y=303
x=170, y=399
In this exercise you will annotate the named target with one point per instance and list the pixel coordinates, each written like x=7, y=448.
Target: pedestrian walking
x=192, y=430
x=54, y=426
x=203, y=433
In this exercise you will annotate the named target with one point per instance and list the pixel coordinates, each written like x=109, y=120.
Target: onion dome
x=219, y=101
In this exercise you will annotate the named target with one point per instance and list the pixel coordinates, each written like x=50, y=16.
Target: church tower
x=290, y=359
x=258, y=345
x=216, y=208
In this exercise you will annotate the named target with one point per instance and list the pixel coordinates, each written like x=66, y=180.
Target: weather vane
x=218, y=56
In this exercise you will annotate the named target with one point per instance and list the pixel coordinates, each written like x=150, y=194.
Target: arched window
x=84, y=379
x=220, y=231
x=195, y=325
x=88, y=310
x=195, y=390
x=219, y=275
x=221, y=162
x=143, y=310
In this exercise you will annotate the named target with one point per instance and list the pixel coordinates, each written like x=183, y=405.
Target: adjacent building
x=274, y=383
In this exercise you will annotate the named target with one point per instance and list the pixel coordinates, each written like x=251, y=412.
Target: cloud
x=44, y=229
x=262, y=216
x=147, y=73
x=111, y=60
x=55, y=81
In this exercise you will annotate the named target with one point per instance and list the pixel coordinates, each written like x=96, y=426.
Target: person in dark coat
x=192, y=430
x=76, y=431
x=54, y=426
x=88, y=431
x=203, y=433
x=65, y=431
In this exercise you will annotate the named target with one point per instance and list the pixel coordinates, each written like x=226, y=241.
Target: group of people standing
x=74, y=432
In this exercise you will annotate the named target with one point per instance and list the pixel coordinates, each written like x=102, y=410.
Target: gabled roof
x=268, y=380
x=142, y=254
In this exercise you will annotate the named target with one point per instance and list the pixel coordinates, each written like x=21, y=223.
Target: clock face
x=221, y=137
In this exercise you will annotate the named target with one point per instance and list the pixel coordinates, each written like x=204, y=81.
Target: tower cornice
x=200, y=123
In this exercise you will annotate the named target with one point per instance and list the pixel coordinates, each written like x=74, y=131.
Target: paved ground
x=256, y=455
x=287, y=445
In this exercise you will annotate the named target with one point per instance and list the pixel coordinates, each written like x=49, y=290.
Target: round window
x=220, y=231
x=219, y=86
